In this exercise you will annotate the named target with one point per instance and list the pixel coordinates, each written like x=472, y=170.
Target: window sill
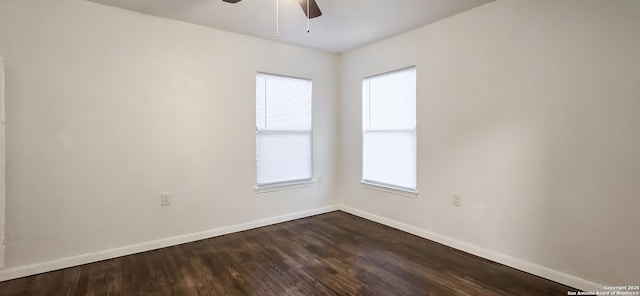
x=398, y=191
x=284, y=186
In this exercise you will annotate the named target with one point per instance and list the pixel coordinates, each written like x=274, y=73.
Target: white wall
x=107, y=108
x=2, y=180
x=530, y=110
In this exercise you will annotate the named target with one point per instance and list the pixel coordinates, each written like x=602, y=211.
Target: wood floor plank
x=329, y=254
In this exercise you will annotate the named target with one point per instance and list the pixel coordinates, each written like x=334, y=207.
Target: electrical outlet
x=165, y=199
x=457, y=200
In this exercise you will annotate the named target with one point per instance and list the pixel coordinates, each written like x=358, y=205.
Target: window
x=389, y=130
x=283, y=130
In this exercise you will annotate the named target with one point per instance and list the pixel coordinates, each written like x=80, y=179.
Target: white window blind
x=389, y=129
x=283, y=129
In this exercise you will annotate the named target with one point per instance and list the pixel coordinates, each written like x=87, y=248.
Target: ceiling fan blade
x=232, y=1
x=313, y=7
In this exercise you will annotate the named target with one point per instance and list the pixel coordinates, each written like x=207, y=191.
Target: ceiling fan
x=312, y=5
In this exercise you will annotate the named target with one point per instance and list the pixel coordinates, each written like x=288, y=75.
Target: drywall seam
x=28, y=270
x=525, y=266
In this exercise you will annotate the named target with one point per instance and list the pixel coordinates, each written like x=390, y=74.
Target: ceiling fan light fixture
x=309, y=7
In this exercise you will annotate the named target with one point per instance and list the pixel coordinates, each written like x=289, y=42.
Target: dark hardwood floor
x=329, y=254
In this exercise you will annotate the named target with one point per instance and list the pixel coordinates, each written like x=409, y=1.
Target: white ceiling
x=344, y=25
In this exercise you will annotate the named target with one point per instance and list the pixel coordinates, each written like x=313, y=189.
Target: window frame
x=381, y=186
x=293, y=183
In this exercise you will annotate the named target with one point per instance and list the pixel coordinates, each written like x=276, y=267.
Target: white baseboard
x=22, y=271
x=525, y=266
x=532, y=268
